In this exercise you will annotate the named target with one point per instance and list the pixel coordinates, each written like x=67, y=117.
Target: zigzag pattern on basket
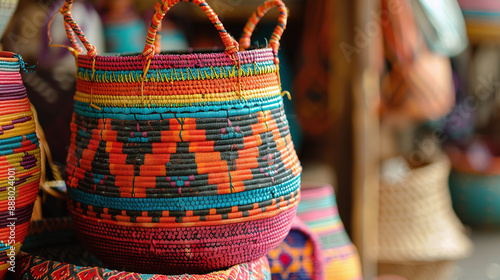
x=181, y=163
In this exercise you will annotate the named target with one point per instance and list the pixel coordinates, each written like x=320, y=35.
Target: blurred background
x=395, y=103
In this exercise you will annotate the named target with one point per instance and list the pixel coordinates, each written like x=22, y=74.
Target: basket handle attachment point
x=249, y=28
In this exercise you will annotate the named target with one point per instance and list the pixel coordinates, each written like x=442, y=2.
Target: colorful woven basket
x=181, y=162
x=52, y=246
x=318, y=210
x=19, y=160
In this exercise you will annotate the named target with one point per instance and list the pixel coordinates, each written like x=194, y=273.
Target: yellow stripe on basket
x=18, y=130
x=16, y=162
x=7, y=119
x=31, y=179
x=163, y=100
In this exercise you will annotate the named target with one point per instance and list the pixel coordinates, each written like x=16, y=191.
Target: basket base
x=193, y=250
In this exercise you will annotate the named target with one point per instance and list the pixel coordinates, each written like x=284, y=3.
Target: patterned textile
x=34, y=268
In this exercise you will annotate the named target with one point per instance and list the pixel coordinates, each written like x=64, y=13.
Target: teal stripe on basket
x=335, y=240
x=186, y=203
x=17, y=139
x=316, y=204
x=7, y=145
x=221, y=109
x=326, y=221
x=13, y=66
x=493, y=14
x=179, y=74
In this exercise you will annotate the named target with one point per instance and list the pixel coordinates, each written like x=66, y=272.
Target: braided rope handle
x=274, y=42
x=66, y=12
x=152, y=42
x=149, y=49
x=72, y=39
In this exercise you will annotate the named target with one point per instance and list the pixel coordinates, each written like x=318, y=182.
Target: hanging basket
x=19, y=160
x=181, y=163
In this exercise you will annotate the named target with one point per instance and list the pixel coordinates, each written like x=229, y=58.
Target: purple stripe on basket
x=28, y=165
x=21, y=120
x=6, y=127
x=22, y=215
x=12, y=92
x=166, y=61
x=28, y=162
x=29, y=157
x=2, y=189
x=21, y=180
x=12, y=87
x=12, y=96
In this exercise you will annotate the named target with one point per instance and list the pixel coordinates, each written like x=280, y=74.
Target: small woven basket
x=318, y=210
x=181, y=163
x=19, y=160
x=416, y=219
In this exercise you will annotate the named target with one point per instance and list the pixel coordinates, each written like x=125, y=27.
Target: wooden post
x=366, y=131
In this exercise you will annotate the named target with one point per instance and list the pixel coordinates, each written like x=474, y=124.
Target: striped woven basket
x=318, y=210
x=181, y=163
x=19, y=160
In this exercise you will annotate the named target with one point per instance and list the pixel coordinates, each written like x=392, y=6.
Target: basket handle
x=72, y=28
x=149, y=49
x=274, y=42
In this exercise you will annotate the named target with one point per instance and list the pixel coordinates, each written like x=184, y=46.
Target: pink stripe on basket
x=216, y=247
x=329, y=229
x=480, y=5
x=315, y=215
x=342, y=252
x=321, y=192
x=10, y=77
x=166, y=61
